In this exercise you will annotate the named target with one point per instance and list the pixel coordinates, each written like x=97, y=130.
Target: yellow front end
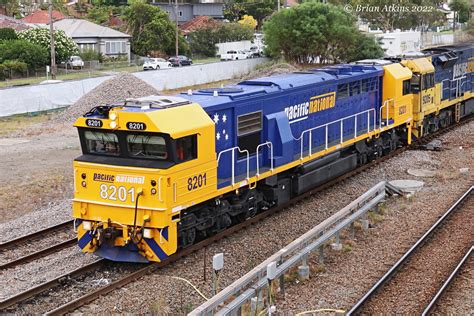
x=128, y=207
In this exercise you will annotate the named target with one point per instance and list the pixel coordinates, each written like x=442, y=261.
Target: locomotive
x=160, y=173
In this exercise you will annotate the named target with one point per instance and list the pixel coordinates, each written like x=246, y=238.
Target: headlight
x=83, y=183
x=147, y=233
x=87, y=225
x=113, y=116
x=113, y=124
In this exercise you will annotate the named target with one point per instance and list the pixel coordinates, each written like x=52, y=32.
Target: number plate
x=94, y=123
x=114, y=193
x=136, y=126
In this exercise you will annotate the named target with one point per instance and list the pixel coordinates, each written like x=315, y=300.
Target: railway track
x=28, y=242
x=433, y=303
x=409, y=286
x=90, y=296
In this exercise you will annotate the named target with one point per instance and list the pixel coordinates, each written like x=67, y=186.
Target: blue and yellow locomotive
x=161, y=172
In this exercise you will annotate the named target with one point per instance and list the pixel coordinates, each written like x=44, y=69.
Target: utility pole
x=278, y=2
x=51, y=36
x=177, y=30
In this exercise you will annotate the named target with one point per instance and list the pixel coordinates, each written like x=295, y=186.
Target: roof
x=75, y=28
x=261, y=86
x=197, y=23
x=17, y=25
x=42, y=17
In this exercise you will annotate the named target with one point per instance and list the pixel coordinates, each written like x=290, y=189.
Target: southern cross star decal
x=224, y=118
x=216, y=118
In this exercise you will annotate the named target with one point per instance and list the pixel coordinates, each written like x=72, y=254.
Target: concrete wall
x=52, y=96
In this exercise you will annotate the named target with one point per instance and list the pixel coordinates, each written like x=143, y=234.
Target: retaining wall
x=36, y=98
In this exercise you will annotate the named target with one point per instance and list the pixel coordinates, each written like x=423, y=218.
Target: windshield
x=148, y=147
x=102, y=143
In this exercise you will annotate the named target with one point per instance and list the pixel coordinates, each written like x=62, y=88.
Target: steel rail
x=396, y=267
x=14, y=242
x=89, y=297
x=38, y=254
x=22, y=296
x=447, y=283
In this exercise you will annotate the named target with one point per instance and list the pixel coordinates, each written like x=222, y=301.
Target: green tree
x=151, y=29
x=12, y=7
x=364, y=47
x=203, y=42
x=312, y=29
x=234, y=10
x=98, y=14
x=462, y=9
x=21, y=50
x=64, y=45
x=7, y=33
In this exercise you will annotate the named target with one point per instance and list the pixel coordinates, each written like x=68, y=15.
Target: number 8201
x=197, y=182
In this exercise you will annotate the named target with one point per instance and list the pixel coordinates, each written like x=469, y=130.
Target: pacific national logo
x=318, y=103
x=104, y=177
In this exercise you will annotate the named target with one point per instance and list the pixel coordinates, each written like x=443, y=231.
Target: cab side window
x=186, y=148
x=406, y=87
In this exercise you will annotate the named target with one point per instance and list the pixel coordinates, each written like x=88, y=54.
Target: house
x=8, y=22
x=88, y=35
x=197, y=23
x=190, y=9
x=41, y=17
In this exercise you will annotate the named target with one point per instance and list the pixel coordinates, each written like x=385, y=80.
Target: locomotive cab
x=138, y=170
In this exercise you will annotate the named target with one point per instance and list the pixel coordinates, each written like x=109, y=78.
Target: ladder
x=457, y=112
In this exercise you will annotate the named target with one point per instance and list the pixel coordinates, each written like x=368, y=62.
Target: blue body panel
x=451, y=70
x=278, y=96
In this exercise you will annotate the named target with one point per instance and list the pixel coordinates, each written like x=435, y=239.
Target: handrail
x=159, y=189
x=386, y=105
x=326, y=126
x=233, y=160
x=270, y=145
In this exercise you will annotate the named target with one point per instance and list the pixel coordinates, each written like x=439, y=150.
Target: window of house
x=180, y=13
x=406, y=87
x=186, y=148
x=115, y=47
x=249, y=127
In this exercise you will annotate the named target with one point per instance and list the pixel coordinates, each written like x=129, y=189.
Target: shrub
x=91, y=54
x=33, y=55
x=7, y=33
x=65, y=46
x=10, y=67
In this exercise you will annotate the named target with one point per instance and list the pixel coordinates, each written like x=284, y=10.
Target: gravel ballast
x=347, y=275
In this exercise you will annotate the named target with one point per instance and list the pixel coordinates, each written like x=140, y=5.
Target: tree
x=21, y=50
x=462, y=9
x=234, y=10
x=313, y=29
x=12, y=7
x=365, y=47
x=64, y=45
x=248, y=21
x=203, y=41
x=151, y=29
x=98, y=14
x=7, y=34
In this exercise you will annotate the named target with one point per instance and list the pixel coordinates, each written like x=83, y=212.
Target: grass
x=206, y=60
x=16, y=122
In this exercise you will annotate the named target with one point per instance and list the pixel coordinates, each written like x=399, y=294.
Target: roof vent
x=215, y=93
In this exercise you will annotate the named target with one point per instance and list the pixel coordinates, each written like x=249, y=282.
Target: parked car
x=75, y=62
x=181, y=60
x=256, y=52
x=156, y=63
x=234, y=55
